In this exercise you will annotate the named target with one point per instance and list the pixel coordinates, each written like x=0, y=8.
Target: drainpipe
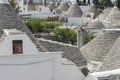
x=80, y=37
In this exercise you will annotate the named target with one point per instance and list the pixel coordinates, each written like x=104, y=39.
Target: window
x=88, y=15
x=40, y=9
x=54, y=13
x=17, y=47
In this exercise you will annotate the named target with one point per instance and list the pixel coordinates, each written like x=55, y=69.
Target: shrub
x=65, y=35
x=41, y=25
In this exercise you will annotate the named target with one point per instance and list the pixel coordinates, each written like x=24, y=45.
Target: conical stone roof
x=9, y=19
x=57, y=3
x=104, y=13
x=95, y=24
x=64, y=6
x=112, y=60
x=113, y=18
x=58, y=11
x=74, y=11
x=52, y=6
x=98, y=48
x=114, y=14
x=93, y=9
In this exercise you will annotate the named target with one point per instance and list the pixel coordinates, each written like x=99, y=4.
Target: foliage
x=107, y=3
x=65, y=35
x=96, y=2
x=118, y=3
x=115, y=2
x=14, y=5
x=41, y=25
x=77, y=1
x=84, y=1
x=88, y=37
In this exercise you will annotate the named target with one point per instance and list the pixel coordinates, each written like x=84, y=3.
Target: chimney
x=4, y=2
x=80, y=37
x=44, y=3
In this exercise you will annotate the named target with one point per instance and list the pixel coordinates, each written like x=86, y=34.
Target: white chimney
x=80, y=37
x=4, y=2
x=44, y=2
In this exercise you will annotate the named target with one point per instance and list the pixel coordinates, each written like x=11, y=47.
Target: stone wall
x=111, y=77
x=70, y=52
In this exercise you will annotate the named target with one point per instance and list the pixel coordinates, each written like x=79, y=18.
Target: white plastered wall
x=30, y=67
x=4, y=2
x=6, y=46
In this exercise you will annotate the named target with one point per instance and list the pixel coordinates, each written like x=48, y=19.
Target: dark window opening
x=54, y=13
x=17, y=47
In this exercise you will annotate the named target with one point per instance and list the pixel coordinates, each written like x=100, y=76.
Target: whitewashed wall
x=76, y=21
x=6, y=46
x=4, y=2
x=103, y=74
x=43, y=66
x=39, y=16
x=37, y=1
x=44, y=13
x=30, y=67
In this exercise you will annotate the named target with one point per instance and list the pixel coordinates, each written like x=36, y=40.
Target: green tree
x=107, y=3
x=88, y=37
x=65, y=35
x=41, y=25
x=14, y=5
x=34, y=25
x=118, y=3
x=77, y=1
x=84, y=1
x=115, y=3
x=96, y=2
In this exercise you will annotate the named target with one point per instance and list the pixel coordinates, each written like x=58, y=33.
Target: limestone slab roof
x=93, y=9
x=98, y=48
x=10, y=20
x=104, y=13
x=114, y=14
x=113, y=18
x=112, y=60
x=107, y=10
x=58, y=3
x=74, y=11
x=69, y=51
x=95, y=24
x=64, y=6
x=52, y=6
x=58, y=11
